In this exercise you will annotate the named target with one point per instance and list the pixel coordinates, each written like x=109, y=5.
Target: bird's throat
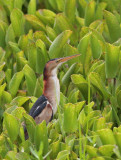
x=52, y=91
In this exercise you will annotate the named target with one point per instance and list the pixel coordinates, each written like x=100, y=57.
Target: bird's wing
x=38, y=106
x=41, y=108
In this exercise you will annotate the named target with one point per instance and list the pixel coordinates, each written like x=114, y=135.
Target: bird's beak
x=65, y=59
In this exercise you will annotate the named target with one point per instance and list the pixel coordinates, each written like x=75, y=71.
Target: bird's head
x=52, y=65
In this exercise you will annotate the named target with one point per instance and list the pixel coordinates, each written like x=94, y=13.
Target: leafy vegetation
x=88, y=122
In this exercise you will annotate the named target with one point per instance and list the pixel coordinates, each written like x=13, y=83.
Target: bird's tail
x=25, y=133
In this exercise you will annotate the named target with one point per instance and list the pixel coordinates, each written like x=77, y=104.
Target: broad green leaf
x=89, y=13
x=118, y=140
x=81, y=83
x=2, y=77
x=70, y=9
x=113, y=26
x=106, y=136
x=42, y=46
x=14, y=47
x=22, y=155
x=82, y=47
x=63, y=155
x=2, y=88
x=10, y=35
x=3, y=14
x=19, y=101
x=55, y=49
x=55, y=146
x=62, y=24
x=70, y=118
x=47, y=20
x=15, y=83
x=40, y=136
x=69, y=50
x=11, y=155
x=106, y=150
x=51, y=33
x=6, y=97
x=99, y=12
x=38, y=89
x=66, y=78
x=18, y=4
x=35, y=22
x=96, y=47
x=40, y=61
x=30, y=79
x=11, y=125
x=20, y=61
x=98, y=84
x=18, y=112
x=30, y=125
x=112, y=60
x=73, y=96
x=32, y=55
x=60, y=4
x=91, y=151
x=82, y=6
x=32, y=7
x=2, y=64
x=24, y=41
x=3, y=28
x=17, y=20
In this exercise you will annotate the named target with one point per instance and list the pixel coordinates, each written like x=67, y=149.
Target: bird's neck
x=52, y=90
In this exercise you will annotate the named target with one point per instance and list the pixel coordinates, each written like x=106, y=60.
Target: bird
x=45, y=106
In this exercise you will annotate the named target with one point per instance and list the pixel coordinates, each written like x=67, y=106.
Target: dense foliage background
x=87, y=124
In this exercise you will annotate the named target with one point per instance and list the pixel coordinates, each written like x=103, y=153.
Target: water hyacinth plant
x=87, y=124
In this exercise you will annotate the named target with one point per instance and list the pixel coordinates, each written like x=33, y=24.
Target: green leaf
x=96, y=47
x=11, y=125
x=41, y=137
x=2, y=77
x=63, y=155
x=82, y=47
x=51, y=33
x=113, y=26
x=98, y=84
x=10, y=35
x=112, y=60
x=106, y=136
x=32, y=55
x=55, y=49
x=3, y=28
x=91, y=151
x=55, y=147
x=32, y=7
x=19, y=101
x=15, y=83
x=81, y=83
x=118, y=140
x=18, y=4
x=35, y=22
x=90, y=13
x=66, y=78
x=70, y=9
x=70, y=118
x=30, y=125
x=17, y=20
x=30, y=79
x=106, y=150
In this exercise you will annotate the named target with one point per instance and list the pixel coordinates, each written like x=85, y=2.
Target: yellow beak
x=67, y=58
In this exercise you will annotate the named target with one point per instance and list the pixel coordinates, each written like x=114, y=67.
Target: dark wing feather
x=38, y=106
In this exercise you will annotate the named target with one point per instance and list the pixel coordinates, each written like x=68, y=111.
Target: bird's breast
x=52, y=91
